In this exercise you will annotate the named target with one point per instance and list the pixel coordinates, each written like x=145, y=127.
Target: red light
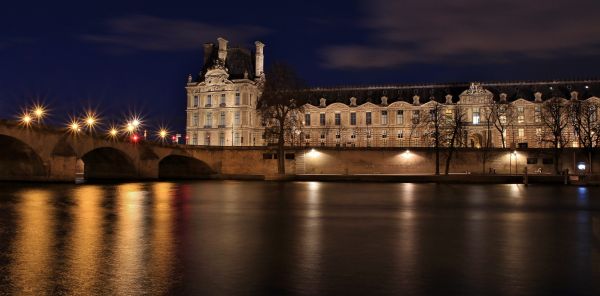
x=135, y=138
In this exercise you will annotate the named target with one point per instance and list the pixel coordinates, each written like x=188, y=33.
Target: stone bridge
x=47, y=154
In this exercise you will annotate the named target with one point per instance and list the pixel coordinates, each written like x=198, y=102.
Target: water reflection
x=32, y=251
x=84, y=243
x=305, y=238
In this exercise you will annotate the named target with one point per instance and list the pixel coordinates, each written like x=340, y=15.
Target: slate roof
x=238, y=61
x=514, y=90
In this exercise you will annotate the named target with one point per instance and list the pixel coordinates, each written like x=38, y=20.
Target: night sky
x=134, y=56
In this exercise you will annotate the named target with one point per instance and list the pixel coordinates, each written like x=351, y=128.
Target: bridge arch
x=108, y=163
x=19, y=161
x=183, y=167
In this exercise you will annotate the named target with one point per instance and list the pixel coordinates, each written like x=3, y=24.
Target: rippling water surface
x=304, y=238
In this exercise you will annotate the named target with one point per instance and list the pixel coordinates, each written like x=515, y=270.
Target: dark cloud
x=432, y=31
x=149, y=33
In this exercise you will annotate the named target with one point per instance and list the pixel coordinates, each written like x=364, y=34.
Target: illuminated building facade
x=222, y=108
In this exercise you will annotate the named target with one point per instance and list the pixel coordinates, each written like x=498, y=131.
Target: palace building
x=222, y=108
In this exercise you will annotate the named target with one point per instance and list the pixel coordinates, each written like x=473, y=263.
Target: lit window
x=475, y=115
x=400, y=117
x=384, y=117
x=521, y=133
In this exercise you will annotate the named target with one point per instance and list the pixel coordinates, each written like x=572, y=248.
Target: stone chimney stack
x=260, y=59
x=208, y=49
x=222, y=48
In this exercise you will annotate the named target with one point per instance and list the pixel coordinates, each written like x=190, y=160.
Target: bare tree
x=555, y=119
x=276, y=105
x=487, y=141
x=454, y=128
x=502, y=115
x=583, y=116
x=433, y=125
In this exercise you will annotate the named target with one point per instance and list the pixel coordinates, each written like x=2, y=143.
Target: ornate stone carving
x=416, y=100
x=475, y=89
x=448, y=99
x=384, y=101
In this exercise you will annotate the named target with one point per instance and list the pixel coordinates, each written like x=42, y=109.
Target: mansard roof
x=238, y=62
x=513, y=90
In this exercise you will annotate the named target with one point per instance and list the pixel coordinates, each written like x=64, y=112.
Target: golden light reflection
x=163, y=249
x=129, y=247
x=310, y=245
x=85, y=255
x=32, y=252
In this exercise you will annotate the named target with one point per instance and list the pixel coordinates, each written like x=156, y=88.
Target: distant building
x=222, y=106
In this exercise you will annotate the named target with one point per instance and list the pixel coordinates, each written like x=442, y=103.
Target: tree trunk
x=437, y=160
x=281, y=153
x=556, y=152
x=591, y=171
x=450, y=152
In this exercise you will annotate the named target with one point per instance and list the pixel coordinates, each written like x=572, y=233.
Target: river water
x=301, y=238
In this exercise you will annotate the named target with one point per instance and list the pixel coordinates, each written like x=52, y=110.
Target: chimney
x=222, y=48
x=260, y=59
x=208, y=49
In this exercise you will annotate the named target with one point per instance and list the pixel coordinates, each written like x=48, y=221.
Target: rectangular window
x=194, y=139
x=195, y=119
x=547, y=161
x=353, y=135
x=400, y=134
x=537, y=114
x=337, y=134
x=307, y=136
x=538, y=132
x=416, y=117
x=532, y=160
x=503, y=119
x=236, y=119
x=307, y=119
x=384, y=117
x=521, y=114
x=208, y=120
x=237, y=98
x=222, y=102
x=338, y=119
x=236, y=140
x=368, y=119
x=221, y=139
x=222, y=119
x=322, y=118
x=353, y=118
x=322, y=135
x=384, y=134
x=475, y=115
x=521, y=133
x=208, y=101
x=196, y=101
x=400, y=117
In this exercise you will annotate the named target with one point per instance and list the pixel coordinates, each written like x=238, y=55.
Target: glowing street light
x=113, y=132
x=26, y=119
x=163, y=133
x=74, y=127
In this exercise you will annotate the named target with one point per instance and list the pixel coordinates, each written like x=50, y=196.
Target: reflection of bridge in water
x=46, y=154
